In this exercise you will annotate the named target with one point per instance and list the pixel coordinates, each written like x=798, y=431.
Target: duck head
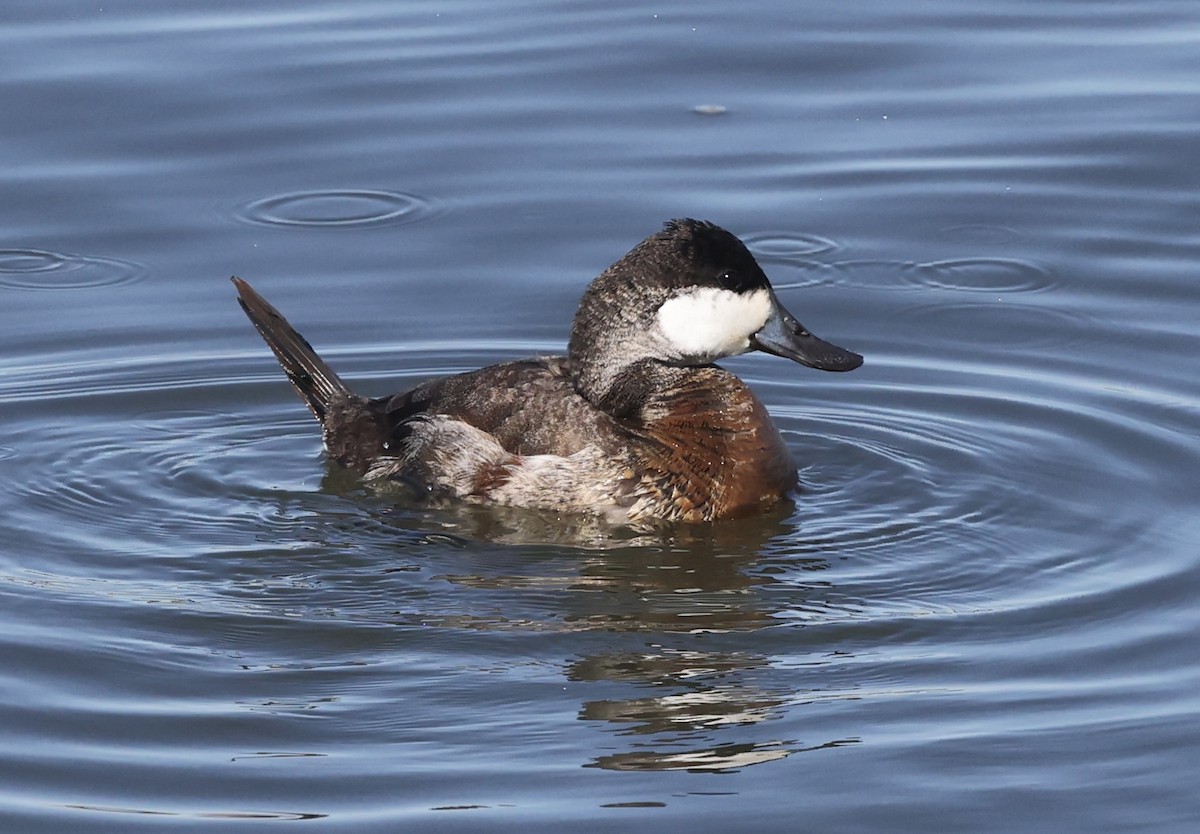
x=689, y=295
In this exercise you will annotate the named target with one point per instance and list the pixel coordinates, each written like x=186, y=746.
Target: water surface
x=980, y=612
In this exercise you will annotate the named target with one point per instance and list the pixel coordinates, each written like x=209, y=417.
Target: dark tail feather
x=314, y=381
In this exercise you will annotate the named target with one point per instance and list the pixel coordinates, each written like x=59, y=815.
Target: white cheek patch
x=706, y=323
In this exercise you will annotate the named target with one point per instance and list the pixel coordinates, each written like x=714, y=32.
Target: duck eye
x=728, y=279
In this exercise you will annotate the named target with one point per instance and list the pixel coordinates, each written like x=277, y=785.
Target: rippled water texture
x=978, y=614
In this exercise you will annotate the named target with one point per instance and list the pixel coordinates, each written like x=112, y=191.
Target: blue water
x=979, y=615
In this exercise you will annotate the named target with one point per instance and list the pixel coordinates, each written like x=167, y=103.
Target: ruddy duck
x=635, y=423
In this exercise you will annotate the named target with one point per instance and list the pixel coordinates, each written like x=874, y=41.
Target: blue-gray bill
x=783, y=336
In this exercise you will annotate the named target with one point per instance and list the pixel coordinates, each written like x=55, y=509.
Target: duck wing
x=529, y=407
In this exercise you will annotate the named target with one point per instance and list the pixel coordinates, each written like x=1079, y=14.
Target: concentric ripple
x=990, y=275
x=926, y=466
x=338, y=209
x=787, y=246
x=931, y=464
x=37, y=269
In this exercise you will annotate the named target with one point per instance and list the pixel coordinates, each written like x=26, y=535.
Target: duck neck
x=611, y=362
x=628, y=390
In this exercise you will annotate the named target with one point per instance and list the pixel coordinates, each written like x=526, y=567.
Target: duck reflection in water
x=649, y=626
x=696, y=705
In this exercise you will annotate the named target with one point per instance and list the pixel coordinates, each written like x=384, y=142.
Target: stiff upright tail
x=314, y=381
